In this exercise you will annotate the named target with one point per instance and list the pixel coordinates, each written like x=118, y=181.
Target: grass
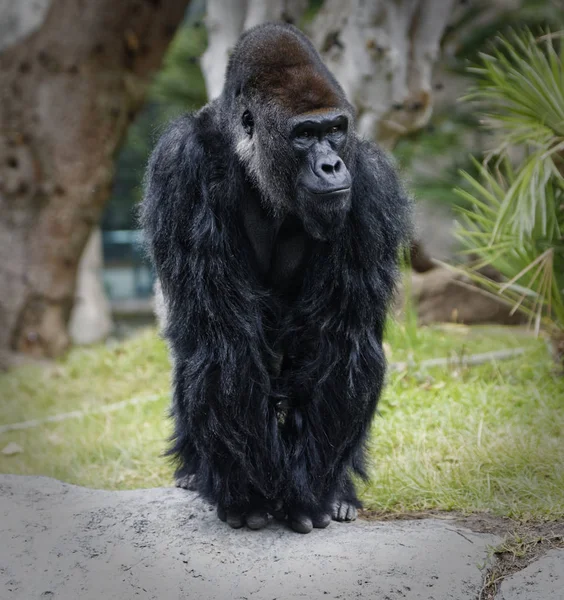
x=489, y=438
x=116, y=450
x=486, y=438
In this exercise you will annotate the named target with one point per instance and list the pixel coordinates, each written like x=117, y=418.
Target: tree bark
x=382, y=52
x=70, y=84
x=227, y=19
x=91, y=316
x=224, y=23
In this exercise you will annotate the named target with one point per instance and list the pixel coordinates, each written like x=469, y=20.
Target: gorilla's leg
x=226, y=443
x=305, y=502
x=323, y=450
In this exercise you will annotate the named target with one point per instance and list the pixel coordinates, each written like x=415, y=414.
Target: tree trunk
x=227, y=19
x=224, y=23
x=72, y=77
x=91, y=316
x=382, y=52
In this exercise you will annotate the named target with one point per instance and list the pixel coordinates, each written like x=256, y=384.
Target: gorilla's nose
x=333, y=172
x=330, y=166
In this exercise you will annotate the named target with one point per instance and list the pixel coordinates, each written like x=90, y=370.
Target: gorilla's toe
x=257, y=519
x=344, y=511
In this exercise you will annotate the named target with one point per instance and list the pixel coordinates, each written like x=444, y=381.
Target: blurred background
x=86, y=89
x=468, y=96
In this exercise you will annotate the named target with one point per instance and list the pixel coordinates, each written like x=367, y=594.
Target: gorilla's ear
x=248, y=123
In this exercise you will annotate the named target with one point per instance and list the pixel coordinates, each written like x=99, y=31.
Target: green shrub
x=514, y=214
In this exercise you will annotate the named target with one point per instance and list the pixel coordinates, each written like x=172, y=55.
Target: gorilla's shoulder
x=189, y=138
x=372, y=160
x=380, y=191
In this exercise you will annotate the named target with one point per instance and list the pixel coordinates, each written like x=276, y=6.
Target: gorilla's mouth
x=331, y=193
x=331, y=200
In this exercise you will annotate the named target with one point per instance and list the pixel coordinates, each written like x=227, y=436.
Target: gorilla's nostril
x=329, y=167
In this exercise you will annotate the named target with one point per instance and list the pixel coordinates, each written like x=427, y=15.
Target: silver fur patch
x=249, y=154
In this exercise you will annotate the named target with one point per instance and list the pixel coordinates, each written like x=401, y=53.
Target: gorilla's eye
x=335, y=129
x=307, y=133
x=248, y=122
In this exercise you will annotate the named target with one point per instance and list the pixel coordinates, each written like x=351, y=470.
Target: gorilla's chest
x=280, y=249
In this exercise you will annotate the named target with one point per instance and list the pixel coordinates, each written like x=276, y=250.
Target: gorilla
x=274, y=232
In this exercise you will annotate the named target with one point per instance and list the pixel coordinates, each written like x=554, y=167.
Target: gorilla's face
x=323, y=181
x=300, y=164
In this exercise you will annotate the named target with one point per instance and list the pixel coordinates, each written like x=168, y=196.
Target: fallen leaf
x=11, y=449
x=55, y=438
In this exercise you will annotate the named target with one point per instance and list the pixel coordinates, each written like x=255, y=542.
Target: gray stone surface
x=541, y=580
x=64, y=542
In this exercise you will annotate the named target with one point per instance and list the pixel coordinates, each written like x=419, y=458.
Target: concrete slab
x=64, y=542
x=541, y=580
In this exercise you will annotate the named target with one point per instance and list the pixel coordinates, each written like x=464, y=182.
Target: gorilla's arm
x=224, y=420
x=337, y=369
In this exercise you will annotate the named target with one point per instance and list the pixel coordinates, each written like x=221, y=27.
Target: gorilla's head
x=292, y=127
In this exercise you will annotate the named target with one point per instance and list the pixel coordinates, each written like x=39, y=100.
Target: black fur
x=275, y=328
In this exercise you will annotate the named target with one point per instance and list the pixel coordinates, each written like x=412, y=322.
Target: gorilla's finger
x=321, y=521
x=234, y=519
x=300, y=523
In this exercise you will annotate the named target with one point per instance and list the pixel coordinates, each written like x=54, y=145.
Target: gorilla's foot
x=233, y=518
x=257, y=519
x=186, y=482
x=300, y=519
x=343, y=510
x=321, y=521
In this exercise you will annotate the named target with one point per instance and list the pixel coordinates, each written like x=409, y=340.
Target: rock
x=434, y=225
x=440, y=295
x=541, y=580
x=68, y=542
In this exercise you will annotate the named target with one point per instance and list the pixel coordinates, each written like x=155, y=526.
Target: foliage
x=484, y=438
x=516, y=219
x=434, y=157
x=180, y=86
x=473, y=34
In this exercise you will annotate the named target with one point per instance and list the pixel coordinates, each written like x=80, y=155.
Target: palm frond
x=515, y=224
x=522, y=85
